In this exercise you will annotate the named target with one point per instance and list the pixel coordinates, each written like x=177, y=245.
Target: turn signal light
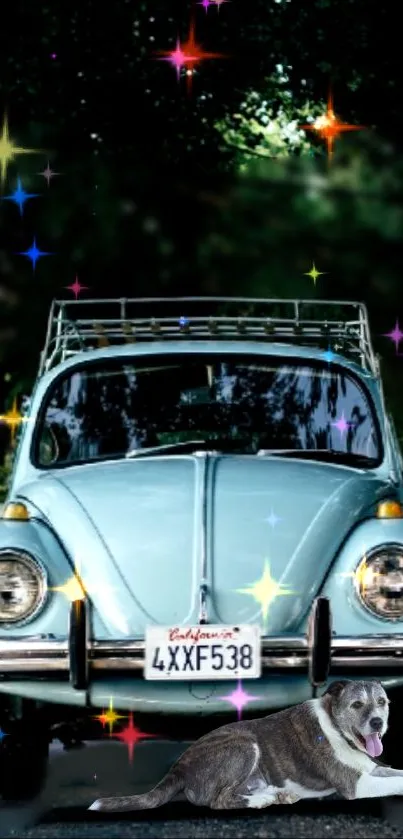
x=16, y=511
x=389, y=510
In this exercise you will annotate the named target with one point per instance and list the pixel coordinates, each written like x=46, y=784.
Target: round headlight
x=23, y=587
x=379, y=582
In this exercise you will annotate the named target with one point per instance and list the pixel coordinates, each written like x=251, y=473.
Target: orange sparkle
x=13, y=418
x=329, y=127
x=109, y=717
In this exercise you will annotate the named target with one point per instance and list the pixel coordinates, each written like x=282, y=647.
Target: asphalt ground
x=76, y=778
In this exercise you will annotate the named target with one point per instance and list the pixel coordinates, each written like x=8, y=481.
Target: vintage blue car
x=206, y=501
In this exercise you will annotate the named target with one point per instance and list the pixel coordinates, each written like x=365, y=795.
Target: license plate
x=202, y=652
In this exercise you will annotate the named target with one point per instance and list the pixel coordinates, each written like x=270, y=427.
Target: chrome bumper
x=20, y=657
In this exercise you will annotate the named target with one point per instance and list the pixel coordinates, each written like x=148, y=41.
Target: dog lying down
x=312, y=750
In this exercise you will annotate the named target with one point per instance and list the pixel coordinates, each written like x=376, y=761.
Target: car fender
x=36, y=538
x=350, y=617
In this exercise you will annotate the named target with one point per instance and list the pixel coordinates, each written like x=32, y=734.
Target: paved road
x=78, y=777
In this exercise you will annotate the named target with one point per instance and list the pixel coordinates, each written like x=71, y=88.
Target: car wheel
x=24, y=752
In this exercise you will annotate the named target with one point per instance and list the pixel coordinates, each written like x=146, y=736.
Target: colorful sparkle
x=48, y=174
x=188, y=53
x=13, y=418
x=328, y=127
x=239, y=698
x=3, y=734
x=219, y=3
x=8, y=151
x=109, y=717
x=396, y=335
x=314, y=274
x=364, y=575
x=76, y=287
x=76, y=589
x=131, y=735
x=34, y=253
x=272, y=519
x=328, y=356
x=19, y=196
x=341, y=424
x=205, y=3
x=265, y=590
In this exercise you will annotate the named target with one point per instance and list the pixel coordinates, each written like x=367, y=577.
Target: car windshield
x=242, y=404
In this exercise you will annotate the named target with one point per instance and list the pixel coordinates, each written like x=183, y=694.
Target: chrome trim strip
x=203, y=458
x=37, y=655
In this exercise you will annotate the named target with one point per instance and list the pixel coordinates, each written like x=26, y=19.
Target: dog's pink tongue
x=373, y=745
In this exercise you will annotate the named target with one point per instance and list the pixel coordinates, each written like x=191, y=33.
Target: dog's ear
x=336, y=688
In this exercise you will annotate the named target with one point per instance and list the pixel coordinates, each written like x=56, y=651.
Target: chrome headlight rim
x=384, y=547
x=39, y=569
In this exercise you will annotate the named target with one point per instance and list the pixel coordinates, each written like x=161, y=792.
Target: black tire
x=78, y=639
x=24, y=753
x=321, y=640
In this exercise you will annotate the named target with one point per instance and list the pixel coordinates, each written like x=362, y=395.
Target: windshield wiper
x=168, y=448
x=347, y=458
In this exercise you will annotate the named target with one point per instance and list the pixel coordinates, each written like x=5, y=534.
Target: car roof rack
x=78, y=325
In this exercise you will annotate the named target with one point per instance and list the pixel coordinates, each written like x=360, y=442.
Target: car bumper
x=24, y=657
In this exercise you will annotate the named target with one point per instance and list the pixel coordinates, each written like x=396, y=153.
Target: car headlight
x=379, y=582
x=23, y=586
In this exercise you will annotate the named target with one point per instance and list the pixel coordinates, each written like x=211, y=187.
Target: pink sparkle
x=396, y=336
x=131, y=735
x=341, y=424
x=48, y=174
x=219, y=3
x=239, y=698
x=54, y=55
x=205, y=3
x=178, y=58
x=76, y=287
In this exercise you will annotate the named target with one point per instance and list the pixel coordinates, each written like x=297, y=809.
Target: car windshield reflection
x=231, y=403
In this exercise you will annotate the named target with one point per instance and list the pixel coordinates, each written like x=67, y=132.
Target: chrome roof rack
x=78, y=325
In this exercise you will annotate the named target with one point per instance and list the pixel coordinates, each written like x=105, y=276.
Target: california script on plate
x=202, y=652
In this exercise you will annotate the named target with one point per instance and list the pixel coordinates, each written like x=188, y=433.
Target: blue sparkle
x=34, y=253
x=183, y=321
x=328, y=356
x=19, y=196
x=320, y=737
x=2, y=735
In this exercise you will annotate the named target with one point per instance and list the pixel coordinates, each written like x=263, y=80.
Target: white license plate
x=202, y=652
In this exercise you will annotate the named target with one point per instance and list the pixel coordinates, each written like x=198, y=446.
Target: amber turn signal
x=15, y=511
x=389, y=510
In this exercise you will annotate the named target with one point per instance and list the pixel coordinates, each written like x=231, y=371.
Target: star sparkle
x=3, y=734
x=34, y=253
x=272, y=519
x=19, y=196
x=328, y=356
x=364, y=575
x=239, y=698
x=329, y=127
x=13, y=418
x=205, y=3
x=75, y=588
x=187, y=54
x=314, y=274
x=109, y=717
x=131, y=735
x=396, y=335
x=8, y=151
x=48, y=174
x=265, y=590
x=341, y=424
x=76, y=287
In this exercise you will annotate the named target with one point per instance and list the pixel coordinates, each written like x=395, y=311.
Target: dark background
x=154, y=195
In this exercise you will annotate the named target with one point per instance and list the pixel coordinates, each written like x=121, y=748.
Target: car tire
x=24, y=754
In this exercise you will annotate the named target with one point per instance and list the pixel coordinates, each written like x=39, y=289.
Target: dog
x=321, y=747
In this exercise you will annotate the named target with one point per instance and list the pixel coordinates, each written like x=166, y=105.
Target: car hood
x=259, y=533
